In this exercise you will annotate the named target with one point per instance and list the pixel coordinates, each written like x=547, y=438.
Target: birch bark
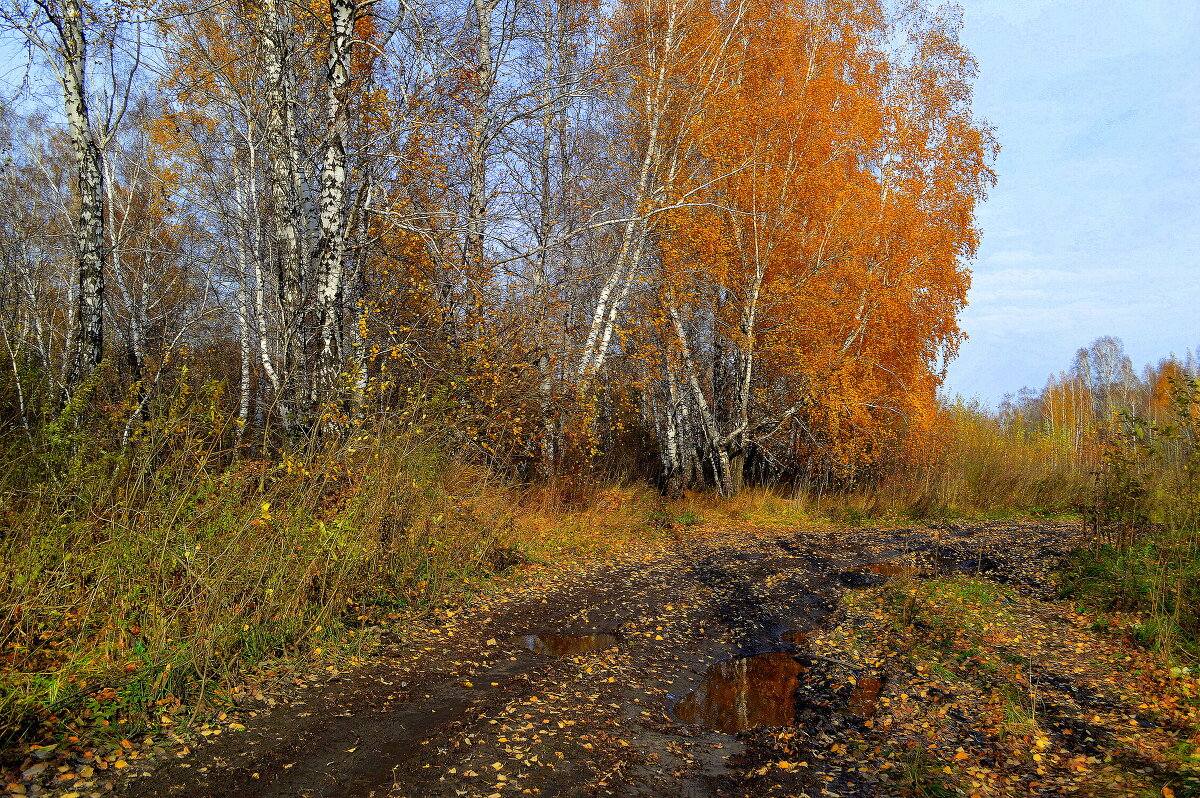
x=330, y=251
x=478, y=139
x=89, y=315
x=287, y=210
x=718, y=446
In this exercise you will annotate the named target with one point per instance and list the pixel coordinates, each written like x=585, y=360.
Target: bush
x=1145, y=516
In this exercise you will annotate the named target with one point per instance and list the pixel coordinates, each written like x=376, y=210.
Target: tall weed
x=984, y=464
x=153, y=571
x=976, y=463
x=1144, y=513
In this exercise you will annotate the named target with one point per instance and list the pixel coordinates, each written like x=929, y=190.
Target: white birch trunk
x=608, y=306
x=281, y=151
x=89, y=316
x=718, y=446
x=329, y=254
x=245, y=349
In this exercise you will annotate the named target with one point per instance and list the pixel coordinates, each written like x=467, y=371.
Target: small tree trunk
x=718, y=446
x=477, y=146
x=330, y=251
x=286, y=209
x=90, y=226
x=247, y=354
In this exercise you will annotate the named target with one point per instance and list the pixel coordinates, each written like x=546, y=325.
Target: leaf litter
x=928, y=661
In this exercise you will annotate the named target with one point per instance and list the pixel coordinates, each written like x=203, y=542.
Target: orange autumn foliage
x=822, y=223
x=704, y=241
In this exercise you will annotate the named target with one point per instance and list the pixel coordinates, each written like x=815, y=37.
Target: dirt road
x=649, y=676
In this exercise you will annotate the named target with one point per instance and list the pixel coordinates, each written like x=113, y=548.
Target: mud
x=640, y=677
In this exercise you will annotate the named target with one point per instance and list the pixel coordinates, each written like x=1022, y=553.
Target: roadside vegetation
x=1144, y=513
x=148, y=578
x=996, y=692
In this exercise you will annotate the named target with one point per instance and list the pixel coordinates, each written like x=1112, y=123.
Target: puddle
x=796, y=637
x=877, y=573
x=890, y=569
x=743, y=693
x=864, y=698
x=965, y=562
x=565, y=645
x=860, y=577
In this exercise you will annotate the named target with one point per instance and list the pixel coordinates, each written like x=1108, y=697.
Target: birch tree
x=329, y=254
x=287, y=207
x=59, y=34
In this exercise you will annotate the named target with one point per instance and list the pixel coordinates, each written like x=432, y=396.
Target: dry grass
x=160, y=573
x=560, y=521
x=977, y=466
x=986, y=466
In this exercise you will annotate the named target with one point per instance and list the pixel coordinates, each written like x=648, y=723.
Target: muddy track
x=467, y=709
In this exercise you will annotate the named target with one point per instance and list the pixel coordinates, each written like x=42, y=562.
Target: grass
x=155, y=576
x=1157, y=577
x=953, y=614
x=112, y=604
x=989, y=649
x=925, y=777
x=978, y=467
x=152, y=578
x=1145, y=515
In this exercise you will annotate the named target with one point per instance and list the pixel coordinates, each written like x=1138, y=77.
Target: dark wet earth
x=664, y=675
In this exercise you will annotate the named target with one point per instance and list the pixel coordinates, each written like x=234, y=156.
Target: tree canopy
x=719, y=241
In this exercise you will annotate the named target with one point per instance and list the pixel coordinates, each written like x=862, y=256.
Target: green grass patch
x=1158, y=578
x=924, y=776
x=948, y=614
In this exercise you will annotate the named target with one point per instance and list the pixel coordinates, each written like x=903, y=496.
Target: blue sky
x=1094, y=226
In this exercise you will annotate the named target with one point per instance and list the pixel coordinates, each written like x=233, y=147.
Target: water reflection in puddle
x=796, y=637
x=743, y=693
x=864, y=698
x=563, y=645
x=890, y=569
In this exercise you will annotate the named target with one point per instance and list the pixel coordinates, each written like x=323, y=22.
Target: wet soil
x=669, y=675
